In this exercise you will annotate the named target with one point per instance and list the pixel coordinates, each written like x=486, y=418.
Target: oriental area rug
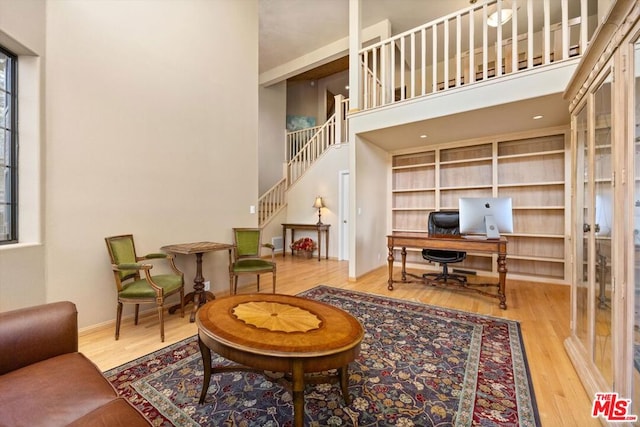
x=419, y=365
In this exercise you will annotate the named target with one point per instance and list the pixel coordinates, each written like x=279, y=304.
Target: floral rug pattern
x=419, y=365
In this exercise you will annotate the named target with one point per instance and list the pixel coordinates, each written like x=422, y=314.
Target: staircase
x=304, y=147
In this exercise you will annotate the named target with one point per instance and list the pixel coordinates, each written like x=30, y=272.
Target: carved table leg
x=404, y=264
x=390, y=263
x=502, y=274
x=298, y=393
x=206, y=362
x=343, y=374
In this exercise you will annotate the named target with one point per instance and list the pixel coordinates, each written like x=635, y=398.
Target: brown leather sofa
x=45, y=381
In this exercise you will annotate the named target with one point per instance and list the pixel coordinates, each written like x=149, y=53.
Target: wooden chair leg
x=161, y=316
x=235, y=285
x=182, y=302
x=258, y=282
x=136, y=316
x=273, y=279
x=118, y=319
x=231, y=291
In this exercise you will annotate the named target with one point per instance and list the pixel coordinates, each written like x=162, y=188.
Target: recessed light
x=423, y=136
x=537, y=117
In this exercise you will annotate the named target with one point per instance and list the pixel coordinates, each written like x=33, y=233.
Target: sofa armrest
x=32, y=334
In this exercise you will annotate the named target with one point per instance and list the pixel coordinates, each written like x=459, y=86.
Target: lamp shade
x=318, y=203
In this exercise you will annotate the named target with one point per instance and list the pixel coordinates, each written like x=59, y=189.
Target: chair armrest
x=155, y=256
x=160, y=255
x=33, y=334
x=131, y=266
x=272, y=247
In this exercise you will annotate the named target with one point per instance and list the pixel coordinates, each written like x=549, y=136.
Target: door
x=633, y=308
x=594, y=222
x=603, y=237
x=343, y=234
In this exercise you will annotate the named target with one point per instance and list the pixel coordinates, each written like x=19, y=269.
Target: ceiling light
x=423, y=136
x=538, y=117
x=506, y=13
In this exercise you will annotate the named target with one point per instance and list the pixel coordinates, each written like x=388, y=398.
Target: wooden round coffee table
x=282, y=333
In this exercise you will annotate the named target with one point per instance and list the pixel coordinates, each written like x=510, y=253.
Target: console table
x=320, y=228
x=419, y=240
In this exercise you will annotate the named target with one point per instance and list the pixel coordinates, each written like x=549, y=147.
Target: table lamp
x=318, y=204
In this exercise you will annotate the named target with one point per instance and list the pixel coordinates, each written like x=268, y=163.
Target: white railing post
x=340, y=118
x=546, y=54
x=356, y=79
x=565, y=30
x=514, y=37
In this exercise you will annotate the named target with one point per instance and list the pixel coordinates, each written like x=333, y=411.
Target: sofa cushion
x=53, y=392
x=117, y=413
x=32, y=334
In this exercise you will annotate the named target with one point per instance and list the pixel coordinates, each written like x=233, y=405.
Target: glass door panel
x=582, y=247
x=635, y=359
x=602, y=226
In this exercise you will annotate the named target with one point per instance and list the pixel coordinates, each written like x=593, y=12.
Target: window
x=8, y=148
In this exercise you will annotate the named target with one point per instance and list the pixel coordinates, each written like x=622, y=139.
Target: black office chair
x=444, y=223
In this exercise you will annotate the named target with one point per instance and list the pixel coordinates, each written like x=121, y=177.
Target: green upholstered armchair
x=132, y=289
x=246, y=257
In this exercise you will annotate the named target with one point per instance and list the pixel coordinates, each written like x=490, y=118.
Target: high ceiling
x=289, y=29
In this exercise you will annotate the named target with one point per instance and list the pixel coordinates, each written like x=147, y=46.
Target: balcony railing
x=463, y=48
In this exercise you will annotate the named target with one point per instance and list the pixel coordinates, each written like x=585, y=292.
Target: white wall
x=302, y=99
x=152, y=119
x=22, y=26
x=271, y=135
x=321, y=180
x=369, y=195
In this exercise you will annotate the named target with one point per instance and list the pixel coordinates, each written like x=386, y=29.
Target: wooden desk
x=282, y=333
x=320, y=228
x=199, y=296
x=417, y=240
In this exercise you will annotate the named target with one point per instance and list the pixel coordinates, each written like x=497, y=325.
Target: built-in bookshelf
x=532, y=170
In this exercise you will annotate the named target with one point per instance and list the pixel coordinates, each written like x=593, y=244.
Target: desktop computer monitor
x=486, y=215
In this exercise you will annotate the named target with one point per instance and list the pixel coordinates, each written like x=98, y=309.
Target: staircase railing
x=272, y=201
x=462, y=48
x=298, y=138
x=303, y=148
x=324, y=137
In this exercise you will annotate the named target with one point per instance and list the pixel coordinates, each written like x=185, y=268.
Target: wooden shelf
x=529, y=170
x=413, y=190
x=467, y=162
x=465, y=187
x=416, y=166
x=532, y=154
x=530, y=184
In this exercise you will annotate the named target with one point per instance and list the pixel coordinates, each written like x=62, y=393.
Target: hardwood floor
x=542, y=310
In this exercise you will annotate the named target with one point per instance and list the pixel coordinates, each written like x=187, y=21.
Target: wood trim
x=618, y=23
